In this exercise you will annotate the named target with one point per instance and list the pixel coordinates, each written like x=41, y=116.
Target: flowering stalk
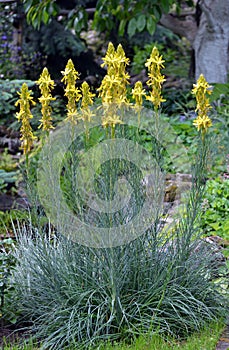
x=71, y=91
x=138, y=92
x=156, y=79
x=113, y=86
x=201, y=90
x=24, y=115
x=86, y=102
x=46, y=85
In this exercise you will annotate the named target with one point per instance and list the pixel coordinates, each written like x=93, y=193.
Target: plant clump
x=163, y=280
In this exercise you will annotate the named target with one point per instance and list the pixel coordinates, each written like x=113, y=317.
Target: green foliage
x=215, y=216
x=20, y=345
x=9, y=217
x=79, y=296
x=8, y=220
x=9, y=96
x=46, y=11
x=175, y=52
x=7, y=177
x=63, y=42
x=8, y=174
x=7, y=162
x=40, y=11
x=220, y=116
x=129, y=16
x=154, y=342
x=220, y=91
x=141, y=55
x=6, y=264
x=200, y=341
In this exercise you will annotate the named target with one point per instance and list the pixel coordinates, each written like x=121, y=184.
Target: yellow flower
x=24, y=103
x=111, y=120
x=138, y=92
x=87, y=101
x=24, y=115
x=46, y=84
x=27, y=136
x=113, y=87
x=155, y=60
x=87, y=95
x=202, y=123
x=70, y=75
x=156, y=79
x=201, y=90
x=121, y=56
x=114, y=58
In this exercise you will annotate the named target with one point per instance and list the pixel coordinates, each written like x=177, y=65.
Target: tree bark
x=211, y=42
x=209, y=37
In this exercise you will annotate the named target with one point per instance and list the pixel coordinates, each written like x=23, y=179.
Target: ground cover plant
x=161, y=281
x=215, y=214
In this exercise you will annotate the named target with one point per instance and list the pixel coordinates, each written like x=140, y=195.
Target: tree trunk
x=208, y=35
x=211, y=43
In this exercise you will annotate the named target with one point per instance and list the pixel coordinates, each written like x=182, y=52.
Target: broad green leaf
x=132, y=26
x=165, y=5
x=141, y=22
x=151, y=25
x=157, y=13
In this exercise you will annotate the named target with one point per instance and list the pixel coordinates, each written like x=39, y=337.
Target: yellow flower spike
x=24, y=115
x=155, y=59
x=201, y=90
x=109, y=59
x=70, y=75
x=121, y=56
x=27, y=136
x=24, y=103
x=87, y=101
x=113, y=87
x=156, y=79
x=138, y=92
x=87, y=95
x=46, y=85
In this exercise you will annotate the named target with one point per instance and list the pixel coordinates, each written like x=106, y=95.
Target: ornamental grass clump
x=79, y=296
x=161, y=281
